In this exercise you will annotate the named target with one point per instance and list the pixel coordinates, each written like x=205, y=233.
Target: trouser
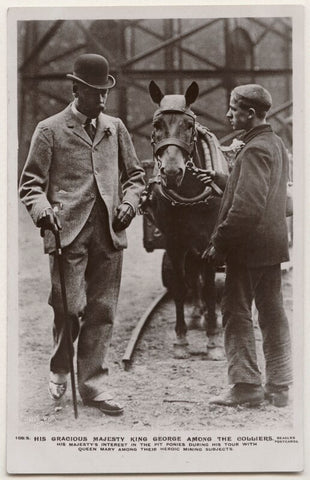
x=262, y=284
x=92, y=270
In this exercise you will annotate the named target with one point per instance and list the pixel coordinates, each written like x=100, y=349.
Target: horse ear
x=191, y=93
x=155, y=92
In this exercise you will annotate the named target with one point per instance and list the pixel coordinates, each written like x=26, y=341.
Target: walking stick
x=67, y=320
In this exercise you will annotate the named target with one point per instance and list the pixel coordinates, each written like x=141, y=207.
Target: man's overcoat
x=65, y=169
x=251, y=227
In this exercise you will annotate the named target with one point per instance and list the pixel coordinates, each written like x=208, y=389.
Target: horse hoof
x=180, y=341
x=180, y=352
x=215, y=353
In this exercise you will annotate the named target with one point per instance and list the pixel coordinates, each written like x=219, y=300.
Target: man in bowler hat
x=251, y=237
x=82, y=177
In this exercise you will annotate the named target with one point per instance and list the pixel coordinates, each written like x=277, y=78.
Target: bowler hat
x=92, y=70
x=253, y=95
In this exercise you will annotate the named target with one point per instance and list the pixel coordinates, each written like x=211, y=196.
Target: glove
x=49, y=221
x=212, y=256
x=124, y=215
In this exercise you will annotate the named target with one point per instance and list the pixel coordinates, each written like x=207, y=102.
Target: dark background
x=217, y=53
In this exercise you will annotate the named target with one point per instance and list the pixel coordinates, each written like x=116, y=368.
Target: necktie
x=90, y=129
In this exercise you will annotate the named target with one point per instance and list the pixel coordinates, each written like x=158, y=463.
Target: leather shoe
x=106, y=406
x=277, y=396
x=57, y=390
x=240, y=394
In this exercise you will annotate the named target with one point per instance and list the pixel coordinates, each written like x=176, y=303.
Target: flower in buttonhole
x=230, y=152
x=107, y=132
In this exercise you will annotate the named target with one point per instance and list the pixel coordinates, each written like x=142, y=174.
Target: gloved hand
x=212, y=256
x=123, y=217
x=49, y=221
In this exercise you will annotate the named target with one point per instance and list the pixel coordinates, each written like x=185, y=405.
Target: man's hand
x=124, y=215
x=49, y=221
x=212, y=256
x=207, y=176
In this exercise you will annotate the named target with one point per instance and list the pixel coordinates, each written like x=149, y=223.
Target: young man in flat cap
x=251, y=237
x=82, y=177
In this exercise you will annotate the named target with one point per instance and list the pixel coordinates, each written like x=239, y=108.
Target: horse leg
x=194, y=281
x=178, y=291
x=213, y=331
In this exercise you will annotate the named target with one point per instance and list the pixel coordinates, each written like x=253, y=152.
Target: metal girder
x=211, y=89
x=46, y=76
x=265, y=32
x=188, y=73
x=93, y=40
x=280, y=109
x=208, y=116
x=41, y=44
x=129, y=82
x=167, y=43
x=132, y=23
x=148, y=121
x=53, y=96
x=129, y=77
x=182, y=48
x=285, y=23
x=203, y=73
x=59, y=56
x=273, y=30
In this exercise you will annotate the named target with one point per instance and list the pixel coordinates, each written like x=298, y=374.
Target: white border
x=300, y=173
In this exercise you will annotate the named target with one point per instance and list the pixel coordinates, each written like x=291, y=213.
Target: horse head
x=174, y=132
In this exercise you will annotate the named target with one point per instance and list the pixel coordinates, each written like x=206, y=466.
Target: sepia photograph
x=155, y=315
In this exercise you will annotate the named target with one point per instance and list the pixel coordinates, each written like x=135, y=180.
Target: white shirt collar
x=81, y=117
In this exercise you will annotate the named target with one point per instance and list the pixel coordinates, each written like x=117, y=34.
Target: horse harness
x=201, y=174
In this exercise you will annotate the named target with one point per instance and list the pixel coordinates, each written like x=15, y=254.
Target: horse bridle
x=173, y=197
x=188, y=147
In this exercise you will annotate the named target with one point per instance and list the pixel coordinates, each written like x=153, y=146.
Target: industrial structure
x=218, y=53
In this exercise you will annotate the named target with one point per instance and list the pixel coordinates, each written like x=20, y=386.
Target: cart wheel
x=166, y=271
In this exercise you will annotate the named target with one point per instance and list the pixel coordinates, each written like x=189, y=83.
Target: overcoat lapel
x=75, y=126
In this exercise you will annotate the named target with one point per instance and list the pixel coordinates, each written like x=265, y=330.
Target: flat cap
x=253, y=95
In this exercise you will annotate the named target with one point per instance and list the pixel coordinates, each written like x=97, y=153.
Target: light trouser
x=263, y=284
x=92, y=269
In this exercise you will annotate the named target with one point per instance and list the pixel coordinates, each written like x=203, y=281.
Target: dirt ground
x=159, y=391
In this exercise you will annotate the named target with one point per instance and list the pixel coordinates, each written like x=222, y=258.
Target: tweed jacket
x=251, y=226
x=66, y=169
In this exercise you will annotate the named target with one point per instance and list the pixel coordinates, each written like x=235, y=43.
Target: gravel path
x=159, y=391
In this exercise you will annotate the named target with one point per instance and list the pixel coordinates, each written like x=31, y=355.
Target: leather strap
x=174, y=141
